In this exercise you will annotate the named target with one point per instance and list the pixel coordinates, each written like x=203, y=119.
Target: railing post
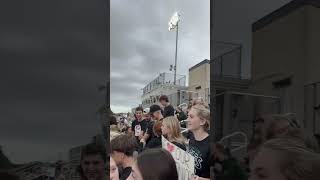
x=221, y=66
x=240, y=61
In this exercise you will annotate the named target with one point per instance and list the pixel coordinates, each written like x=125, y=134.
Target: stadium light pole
x=174, y=24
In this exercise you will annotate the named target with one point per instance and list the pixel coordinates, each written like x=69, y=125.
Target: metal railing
x=238, y=145
x=180, y=96
x=34, y=171
x=228, y=64
x=164, y=79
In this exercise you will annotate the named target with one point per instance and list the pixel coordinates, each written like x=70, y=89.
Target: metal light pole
x=174, y=24
x=176, y=56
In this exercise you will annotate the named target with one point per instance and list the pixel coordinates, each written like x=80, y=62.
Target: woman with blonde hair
x=285, y=159
x=171, y=130
x=199, y=140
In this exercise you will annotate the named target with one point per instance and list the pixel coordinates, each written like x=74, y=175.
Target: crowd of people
x=136, y=147
x=279, y=148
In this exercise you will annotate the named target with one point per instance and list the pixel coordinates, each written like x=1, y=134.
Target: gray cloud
x=52, y=62
x=142, y=47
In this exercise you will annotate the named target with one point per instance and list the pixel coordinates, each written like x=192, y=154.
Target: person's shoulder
x=205, y=142
x=150, y=123
x=145, y=122
x=207, y=138
x=168, y=107
x=134, y=122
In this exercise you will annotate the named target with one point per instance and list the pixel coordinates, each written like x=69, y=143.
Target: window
x=199, y=87
x=283, y=87
x=282, y=83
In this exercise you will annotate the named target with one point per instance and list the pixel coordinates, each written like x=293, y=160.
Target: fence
x=237, y=143
x=228, y=64
x=162, y=79
x=235, y=111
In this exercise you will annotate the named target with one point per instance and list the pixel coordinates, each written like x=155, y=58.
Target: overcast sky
x=52, y=61
x=142, y=47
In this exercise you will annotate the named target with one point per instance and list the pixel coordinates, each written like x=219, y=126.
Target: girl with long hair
x=171, y=130
x=199, y=141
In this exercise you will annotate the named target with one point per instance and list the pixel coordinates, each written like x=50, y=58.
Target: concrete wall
x=312, y=92
x=200, y=76
x=290, y=47
x=313, y=40
x=278, y=52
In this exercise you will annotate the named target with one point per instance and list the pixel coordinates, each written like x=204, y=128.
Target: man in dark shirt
x=139, y=125
x=152, y=137
x=122, y=150
x=168, y=108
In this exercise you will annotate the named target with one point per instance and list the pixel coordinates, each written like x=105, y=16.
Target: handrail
x=226, y=53
x=246, y=94
x=234, y=134
x=219, y=63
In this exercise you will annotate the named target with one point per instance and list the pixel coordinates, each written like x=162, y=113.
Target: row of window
x=151, y=101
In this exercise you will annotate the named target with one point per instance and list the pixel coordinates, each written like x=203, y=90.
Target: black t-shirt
x=200, y=150
x=150, y=129
x=168, y=111
x=155, y=142
x=125, y=173
x=137, y=127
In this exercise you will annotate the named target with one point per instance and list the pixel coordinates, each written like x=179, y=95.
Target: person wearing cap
x=146, y=115
x=152, y=137
x=168, y=108
x=155, y=112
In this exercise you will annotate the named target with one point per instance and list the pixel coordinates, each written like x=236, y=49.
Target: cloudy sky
x=142, y=47
x=52, y=61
